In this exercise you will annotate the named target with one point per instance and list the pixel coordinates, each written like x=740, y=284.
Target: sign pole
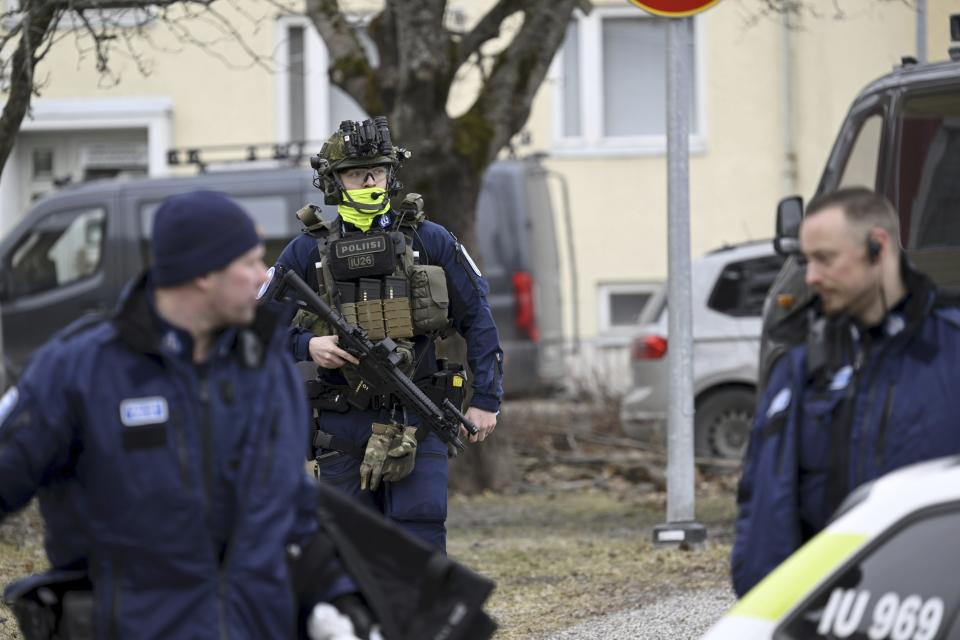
x=681, y=528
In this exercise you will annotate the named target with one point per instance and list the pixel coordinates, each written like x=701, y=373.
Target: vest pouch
x=311, y=322
x=370, y=309
x=429, y=298
x=348, y=301
x=396, y=308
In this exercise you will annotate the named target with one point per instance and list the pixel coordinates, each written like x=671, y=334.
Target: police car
x=887, y=567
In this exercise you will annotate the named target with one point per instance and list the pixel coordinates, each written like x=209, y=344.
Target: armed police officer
x=166, y=444
x=398, y=275
x=869, y=385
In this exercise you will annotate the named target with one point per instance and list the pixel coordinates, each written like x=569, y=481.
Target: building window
x=611, y=83
x=297, y=95
x=310, y=107
x=623, y=305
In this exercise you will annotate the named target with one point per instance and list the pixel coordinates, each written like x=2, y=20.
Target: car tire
x=722, y=422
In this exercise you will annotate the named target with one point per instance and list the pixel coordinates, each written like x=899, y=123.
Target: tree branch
x=37, y=25
x=349, y=68
x=504, y=102
x=487, y=29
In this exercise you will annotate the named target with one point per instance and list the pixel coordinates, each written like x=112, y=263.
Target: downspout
x=571, y=259
x=921, y=31
x=790, y=170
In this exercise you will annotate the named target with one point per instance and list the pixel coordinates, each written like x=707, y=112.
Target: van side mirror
x=789, y=216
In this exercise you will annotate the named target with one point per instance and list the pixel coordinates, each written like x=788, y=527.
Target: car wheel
x=722, y=423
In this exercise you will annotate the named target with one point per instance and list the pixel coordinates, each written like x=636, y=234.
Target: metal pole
x=680, y=527
x=921, y=31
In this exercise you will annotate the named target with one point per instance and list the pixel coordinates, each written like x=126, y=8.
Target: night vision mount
x=362, y=141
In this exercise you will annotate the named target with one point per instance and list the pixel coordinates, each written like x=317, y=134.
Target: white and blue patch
x=7, y=403
x=137, y=412
x=473, y=265
x=266, y=283
x=780, y=402
x=895, y=324
x=385, y=220
x=841, y=378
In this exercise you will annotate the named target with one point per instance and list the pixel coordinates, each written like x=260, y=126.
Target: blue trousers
x=418, y=503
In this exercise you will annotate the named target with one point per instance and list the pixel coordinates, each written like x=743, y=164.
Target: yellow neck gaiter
x=371, y=199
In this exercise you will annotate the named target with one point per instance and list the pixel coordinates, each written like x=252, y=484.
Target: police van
x=72, y=253
x=901, y=137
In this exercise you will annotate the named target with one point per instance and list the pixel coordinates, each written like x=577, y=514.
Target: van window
x=62, y=248
x=860, y=169
x=271, y=213
x=742, y=286
x=929, y=162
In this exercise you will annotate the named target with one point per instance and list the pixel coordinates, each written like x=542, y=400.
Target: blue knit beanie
x=196, y=233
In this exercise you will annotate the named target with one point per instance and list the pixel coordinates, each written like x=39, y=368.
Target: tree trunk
x=37, y=24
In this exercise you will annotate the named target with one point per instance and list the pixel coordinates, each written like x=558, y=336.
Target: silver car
x=729, y=287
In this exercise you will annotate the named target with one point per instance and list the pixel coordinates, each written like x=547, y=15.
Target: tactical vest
x=375, y=278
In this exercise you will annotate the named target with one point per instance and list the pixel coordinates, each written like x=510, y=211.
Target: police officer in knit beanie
x=197, y=233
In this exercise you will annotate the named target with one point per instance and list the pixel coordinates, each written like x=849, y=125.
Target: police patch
x=841, y=378
x=136, y=412
x=780, y=402
x=473, y=265
x=266, y=283
x=7, y=403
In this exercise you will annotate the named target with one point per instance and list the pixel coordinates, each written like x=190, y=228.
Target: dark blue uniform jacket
x=176, y=488
x=865, y=411
x=469, y=308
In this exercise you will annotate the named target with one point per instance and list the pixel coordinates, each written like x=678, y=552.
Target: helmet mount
x=357, y=144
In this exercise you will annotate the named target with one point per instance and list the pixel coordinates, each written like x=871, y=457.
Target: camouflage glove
x=402, y=455
x=380, y=442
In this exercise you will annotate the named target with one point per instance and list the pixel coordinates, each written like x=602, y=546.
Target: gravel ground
x=675, y=617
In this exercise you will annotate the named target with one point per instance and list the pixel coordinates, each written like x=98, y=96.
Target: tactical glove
x=401, y=456
x=380, y=442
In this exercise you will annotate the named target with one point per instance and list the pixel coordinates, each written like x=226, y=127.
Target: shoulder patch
x=780, y=402
x=7, y=403
x=136, y=412
x=473, y=265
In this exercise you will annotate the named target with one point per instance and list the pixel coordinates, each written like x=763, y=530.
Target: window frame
x=605, y=292
x=317, y=88
x=591, y=141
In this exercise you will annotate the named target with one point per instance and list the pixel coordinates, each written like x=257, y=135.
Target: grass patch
x=561, y=557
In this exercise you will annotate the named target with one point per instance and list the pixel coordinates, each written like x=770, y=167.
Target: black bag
x=414, y=590
x=56, y=605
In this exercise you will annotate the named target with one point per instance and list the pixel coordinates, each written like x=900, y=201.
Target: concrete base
x=686, y=535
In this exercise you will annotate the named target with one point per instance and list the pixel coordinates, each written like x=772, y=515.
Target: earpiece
x=873, y=249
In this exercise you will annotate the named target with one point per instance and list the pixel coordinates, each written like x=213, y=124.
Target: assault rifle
x=379, y=367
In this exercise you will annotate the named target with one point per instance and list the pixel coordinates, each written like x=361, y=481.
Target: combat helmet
x=357, y=144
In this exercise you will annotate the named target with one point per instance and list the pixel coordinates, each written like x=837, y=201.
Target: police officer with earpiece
x=868, y=386
x=394, y=273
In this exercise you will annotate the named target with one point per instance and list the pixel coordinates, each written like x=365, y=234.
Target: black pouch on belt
x=449, y=383
x=57, y=604
x=324, y=396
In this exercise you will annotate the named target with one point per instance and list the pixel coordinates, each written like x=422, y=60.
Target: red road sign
x=674, y=8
